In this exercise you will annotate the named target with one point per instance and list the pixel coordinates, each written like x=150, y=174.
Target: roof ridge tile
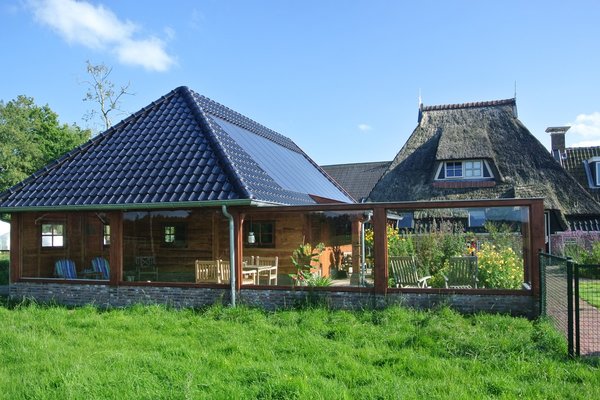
x=477, y=104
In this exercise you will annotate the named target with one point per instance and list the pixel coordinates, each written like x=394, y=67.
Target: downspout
x=231, y=253
x=363, y=264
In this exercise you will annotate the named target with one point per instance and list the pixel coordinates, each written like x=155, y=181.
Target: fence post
x=570, y=307
x=576, y=301
x=542, y=272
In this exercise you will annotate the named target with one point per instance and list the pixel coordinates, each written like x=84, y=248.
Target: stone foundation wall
x=123, y=296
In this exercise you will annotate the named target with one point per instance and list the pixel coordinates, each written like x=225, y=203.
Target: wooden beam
x=537, y=243
x=238, y=222
x=15, y=247
x=380, y=249
x=116, y=247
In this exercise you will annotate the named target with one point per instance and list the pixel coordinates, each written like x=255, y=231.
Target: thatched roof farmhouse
x=481, y=151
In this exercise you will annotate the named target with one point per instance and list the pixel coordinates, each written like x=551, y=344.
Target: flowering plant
x=499, y=267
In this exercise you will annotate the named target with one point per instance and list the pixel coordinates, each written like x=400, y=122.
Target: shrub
x=3, y=269
x=440, y=242
x=398, y=244
x=499, y=268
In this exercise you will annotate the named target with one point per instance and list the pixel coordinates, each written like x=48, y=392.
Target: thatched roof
x=521, y=165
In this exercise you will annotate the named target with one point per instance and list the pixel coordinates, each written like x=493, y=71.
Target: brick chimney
x=557, y=135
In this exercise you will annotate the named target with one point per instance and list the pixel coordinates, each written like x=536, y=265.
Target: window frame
x=443, y=175
x=454, y=168
x=106, y=235
x=259, y=234
x=177, y=235
x=597, y=163
x=52, y=235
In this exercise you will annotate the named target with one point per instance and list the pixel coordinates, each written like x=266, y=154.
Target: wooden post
x=238, y=220
x=536, y=219
x=116, y=247
x=15, y=247
x=380, y=249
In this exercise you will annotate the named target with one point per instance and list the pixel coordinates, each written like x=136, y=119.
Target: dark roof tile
x=182, y=147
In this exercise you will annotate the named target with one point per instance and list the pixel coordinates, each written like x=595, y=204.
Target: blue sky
x=340, y=78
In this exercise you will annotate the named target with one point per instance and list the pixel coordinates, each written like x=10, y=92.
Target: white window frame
x=53, y=235
x=454, y=168
x=465, y=170
x=470, y=171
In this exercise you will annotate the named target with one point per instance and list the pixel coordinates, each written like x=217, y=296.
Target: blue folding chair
x=65, y=269
x=100, y=265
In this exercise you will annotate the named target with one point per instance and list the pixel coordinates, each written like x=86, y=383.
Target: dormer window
x=466, y=169
x=592, y=170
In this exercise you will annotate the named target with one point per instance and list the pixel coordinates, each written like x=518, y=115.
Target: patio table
x=271, y=271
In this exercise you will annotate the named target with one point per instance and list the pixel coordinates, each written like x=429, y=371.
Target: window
x=473, y=169
x=53, y=235
x=174, y=235
x=476, y=218
x=468, y=169
x=454, y=169
x=106, y=235
x=597, y=173
x=264, y=233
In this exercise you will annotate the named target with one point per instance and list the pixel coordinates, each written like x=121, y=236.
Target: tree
x=102, y=91
x=30, y=137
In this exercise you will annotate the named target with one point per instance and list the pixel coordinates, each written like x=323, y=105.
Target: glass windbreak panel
x=70, y=246
x=167, y=246
x=459, y=248
x=308, y=249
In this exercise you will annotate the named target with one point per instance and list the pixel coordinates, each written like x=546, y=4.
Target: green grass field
x=150, y=352
x=590, y=292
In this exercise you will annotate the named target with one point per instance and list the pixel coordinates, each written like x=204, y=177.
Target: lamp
x=251, y=238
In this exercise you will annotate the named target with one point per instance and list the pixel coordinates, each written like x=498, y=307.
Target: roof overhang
x=126, y=207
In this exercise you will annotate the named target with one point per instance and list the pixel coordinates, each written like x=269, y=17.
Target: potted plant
x=303, y=258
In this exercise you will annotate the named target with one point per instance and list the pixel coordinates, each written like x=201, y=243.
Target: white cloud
x=586, y=143
x=148, y=53
x=364, y=127
x=586, y=125
x=97, y=27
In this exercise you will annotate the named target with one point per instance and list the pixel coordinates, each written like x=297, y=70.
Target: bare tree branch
x=101, y=90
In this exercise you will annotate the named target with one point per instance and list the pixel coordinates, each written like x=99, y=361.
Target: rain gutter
x=114, y=207
x=231, y=253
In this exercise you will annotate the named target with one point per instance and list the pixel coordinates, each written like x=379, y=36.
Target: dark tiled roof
x=358, y=178
x=181, y=148
x=521, y=165
x=573, y=161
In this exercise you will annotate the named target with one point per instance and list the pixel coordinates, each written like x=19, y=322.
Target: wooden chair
x=249, y=277
x=461, y=273
x=100, y=265
x=270, y=274
x=404, y=271
x=146, y=268
x=248, y=260
x=207, y=272
x=65, y=268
